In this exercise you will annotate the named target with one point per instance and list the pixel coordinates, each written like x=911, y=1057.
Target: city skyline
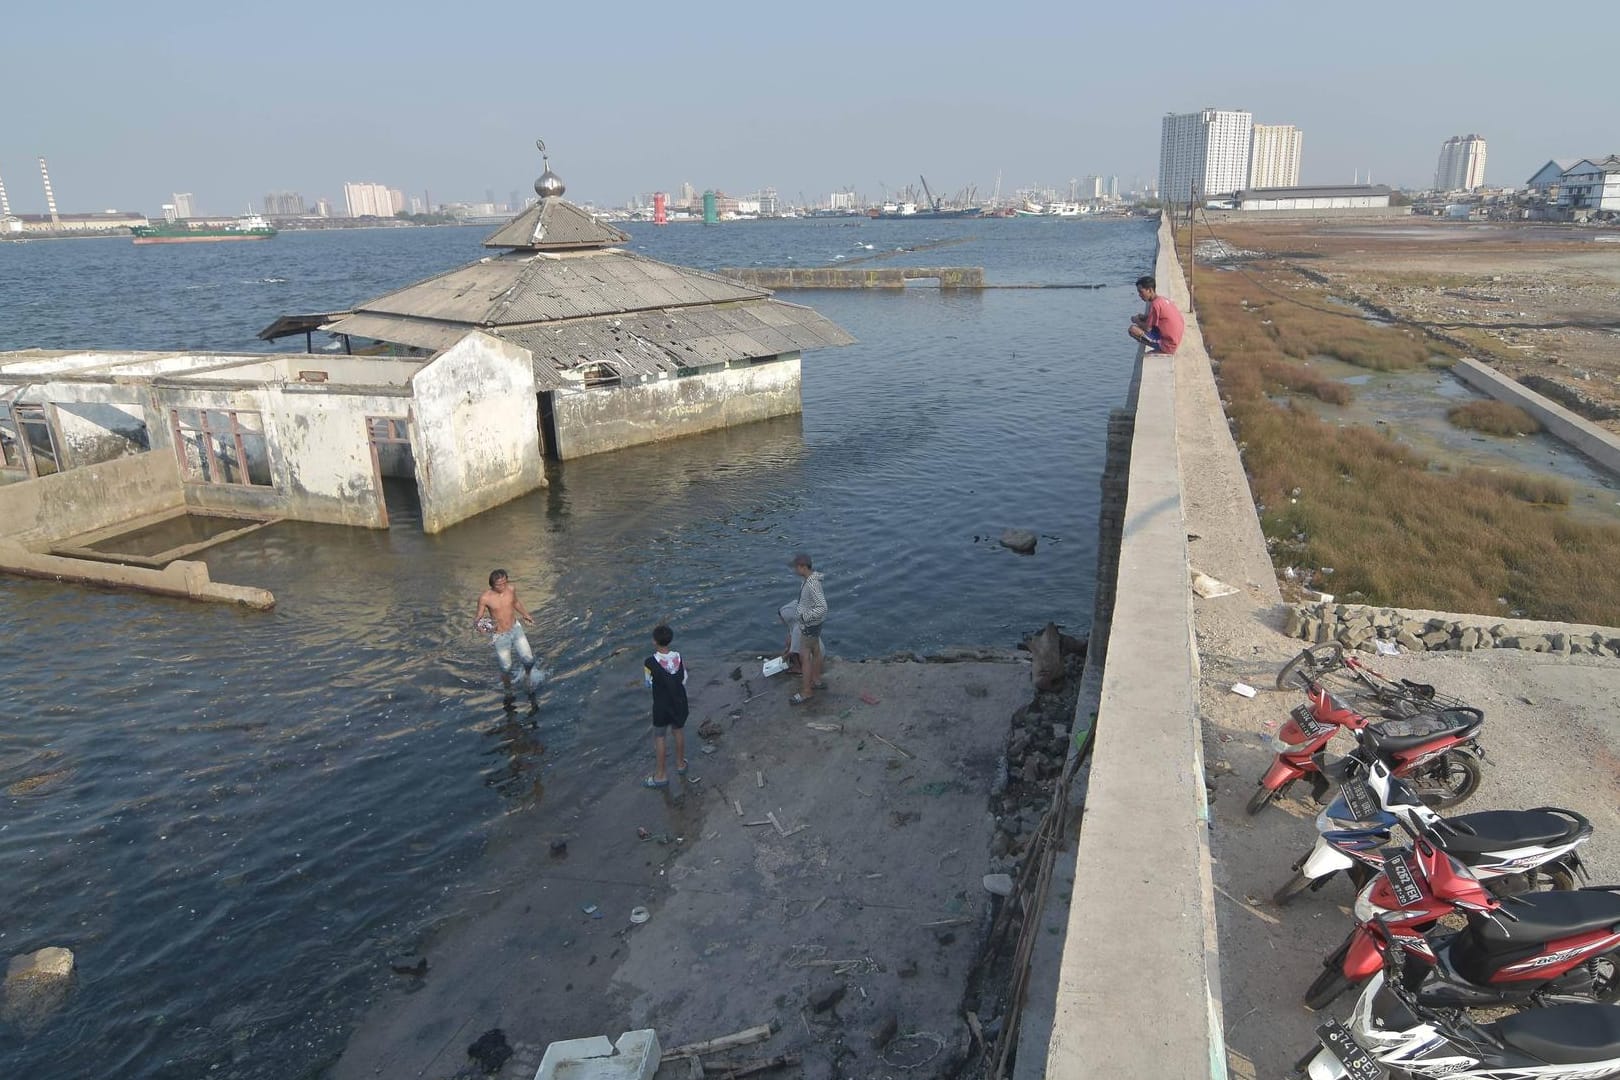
x=705, y=101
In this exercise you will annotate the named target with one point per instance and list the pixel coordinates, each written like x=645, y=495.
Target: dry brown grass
x=1393, y=530
x=1493, y=418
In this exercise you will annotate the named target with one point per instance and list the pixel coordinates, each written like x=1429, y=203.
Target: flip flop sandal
x=651, y=783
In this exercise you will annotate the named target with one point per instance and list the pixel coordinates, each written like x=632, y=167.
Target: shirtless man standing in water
x=499, y=610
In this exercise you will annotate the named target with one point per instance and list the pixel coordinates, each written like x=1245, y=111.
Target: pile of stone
x=1357, y=627
x=1037, y=747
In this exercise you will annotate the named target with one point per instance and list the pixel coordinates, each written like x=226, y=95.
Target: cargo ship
x=252, y=227
x=931, y=210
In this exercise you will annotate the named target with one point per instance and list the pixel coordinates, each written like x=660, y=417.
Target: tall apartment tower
x=1209, y=149
x=368, y=200
x=1462, y=164
x=182, y=205
x=1274, y=162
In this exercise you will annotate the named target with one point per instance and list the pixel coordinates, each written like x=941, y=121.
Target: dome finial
x=550, y=184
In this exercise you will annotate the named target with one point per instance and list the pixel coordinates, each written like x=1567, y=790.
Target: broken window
x=11, y=455
x=599, y=375
x=221, y=446
x=35, y=429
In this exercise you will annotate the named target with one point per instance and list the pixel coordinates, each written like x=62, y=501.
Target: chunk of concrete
x=634, y=1057
x=36, y=985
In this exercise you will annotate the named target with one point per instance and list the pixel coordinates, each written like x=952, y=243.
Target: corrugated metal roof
x=400, y=330
x=562, y=226
x=648, y=343
x=523, y=287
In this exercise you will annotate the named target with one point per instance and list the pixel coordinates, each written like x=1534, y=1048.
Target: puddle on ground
x=1411, y=407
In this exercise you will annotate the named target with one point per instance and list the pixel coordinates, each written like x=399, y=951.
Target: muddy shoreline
x=820, y=870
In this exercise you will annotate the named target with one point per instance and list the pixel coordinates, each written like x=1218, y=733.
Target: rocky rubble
x=1357, y=627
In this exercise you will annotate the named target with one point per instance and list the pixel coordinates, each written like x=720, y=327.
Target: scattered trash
x=1243, y=689
x=870, y=699
x=589, y=909
x=822, y=725
x=774, y=666
x=708, y=748
x=1386, y=648
x=759, y=778
x=642, y=833
x=1208, y=587
x=639, y=915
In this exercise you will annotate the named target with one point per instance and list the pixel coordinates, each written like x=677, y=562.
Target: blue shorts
x=1151, y=337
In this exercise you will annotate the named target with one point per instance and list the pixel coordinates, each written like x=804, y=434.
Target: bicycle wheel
x=1302, y=670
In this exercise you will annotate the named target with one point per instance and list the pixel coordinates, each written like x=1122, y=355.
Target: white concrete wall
x=611, y=418
x=1596, y=443
x=1139, y=990
x=36, y=512
x=319, y=447
x=476, y=438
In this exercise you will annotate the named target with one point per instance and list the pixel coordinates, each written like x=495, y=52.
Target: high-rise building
x=1462, y=164
x=283, y=204
x=368, y=200
x=1113, y=187
x=1274, y=162
x=767, y=202
x=182, y=205
x=396, y=200
x=1208, y=150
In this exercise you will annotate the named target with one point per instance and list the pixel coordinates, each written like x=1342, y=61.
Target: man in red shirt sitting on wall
x=1161, y=327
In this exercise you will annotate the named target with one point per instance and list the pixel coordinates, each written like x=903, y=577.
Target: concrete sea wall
x=1139, y=988
x=1596, y=443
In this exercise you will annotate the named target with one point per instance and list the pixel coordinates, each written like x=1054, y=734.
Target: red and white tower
x=50, y=199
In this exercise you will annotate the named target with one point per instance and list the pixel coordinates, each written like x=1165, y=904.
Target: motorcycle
x=1511, y=851
x=1438, y=751
x=1391, y=1028
x=1527, y=949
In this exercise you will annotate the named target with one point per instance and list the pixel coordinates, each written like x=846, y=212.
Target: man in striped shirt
x=812, y=613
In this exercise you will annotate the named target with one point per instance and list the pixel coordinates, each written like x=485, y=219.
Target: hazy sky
x=131, y=102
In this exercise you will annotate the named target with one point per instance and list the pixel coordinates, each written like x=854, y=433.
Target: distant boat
x=932, y=210
x=251, y=227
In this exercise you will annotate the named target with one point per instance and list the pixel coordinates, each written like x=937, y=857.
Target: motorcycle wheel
x=1328, y=986
x=1450, y=781
x=1262, y=797
x=1553, y=876
x=1299, y=672
x=1295, y=887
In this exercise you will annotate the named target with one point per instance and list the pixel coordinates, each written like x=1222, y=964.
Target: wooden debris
x=823, y=725
x=759, y=778
x=751, y=824
x=771, y=817
x=724, y=1042
x=751, y=1067
x=738, y=804
x=894, y=746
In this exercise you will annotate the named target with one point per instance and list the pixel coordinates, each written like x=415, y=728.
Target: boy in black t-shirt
x=666, y=674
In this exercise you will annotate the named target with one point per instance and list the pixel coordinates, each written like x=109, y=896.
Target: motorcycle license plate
x=1398, y=869
x=1356, y=1061
x=1359, y=798
x=1307, y=723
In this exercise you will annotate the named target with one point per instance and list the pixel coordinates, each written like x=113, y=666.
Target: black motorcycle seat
x=1391, y=736
x=1501, y=830
x=1564, y=1034
x=1546, y=916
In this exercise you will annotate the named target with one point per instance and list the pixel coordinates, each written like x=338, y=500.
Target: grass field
x=1361, y=516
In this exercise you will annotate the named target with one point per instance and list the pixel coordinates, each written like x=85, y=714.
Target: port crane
x=933, y=203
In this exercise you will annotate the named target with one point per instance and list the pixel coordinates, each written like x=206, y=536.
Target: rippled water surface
x=233, y=818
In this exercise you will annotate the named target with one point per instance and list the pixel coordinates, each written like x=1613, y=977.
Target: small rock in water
x=1020, y=540
x=998, y=884
x=490, y=1052
x=885, y=1030
x=37, y=984
x=559, y=848
x=413, y=964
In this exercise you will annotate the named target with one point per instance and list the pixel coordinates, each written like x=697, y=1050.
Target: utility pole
x=1192, y=241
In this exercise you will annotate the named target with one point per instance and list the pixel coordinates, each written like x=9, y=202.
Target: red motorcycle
x=1534, y=948
x=1430, y=741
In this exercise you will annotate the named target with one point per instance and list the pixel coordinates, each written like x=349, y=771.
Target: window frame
x=211, y=471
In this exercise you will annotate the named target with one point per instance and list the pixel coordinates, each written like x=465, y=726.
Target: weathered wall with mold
x=319, y=449
x=476, y=438
x=611, y=418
